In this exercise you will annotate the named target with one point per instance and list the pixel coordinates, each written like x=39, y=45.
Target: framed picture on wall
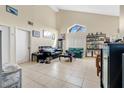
x=36, y=33
x=11, y=10
x=53, y=36
x=46, y=34
x=41, y=33
x=62, y=36
x=49, y=35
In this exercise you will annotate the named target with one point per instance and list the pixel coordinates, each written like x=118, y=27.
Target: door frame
x=26, y=30
x=9, y=30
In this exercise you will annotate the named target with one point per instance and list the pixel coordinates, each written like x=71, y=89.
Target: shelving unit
x=94, y=42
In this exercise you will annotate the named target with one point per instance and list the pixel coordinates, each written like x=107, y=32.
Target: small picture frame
x=49, y=35
x=53, y=36
x=36, y=33
x=62, y=36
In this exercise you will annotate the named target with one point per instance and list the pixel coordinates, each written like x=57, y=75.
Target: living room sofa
x=52, y=52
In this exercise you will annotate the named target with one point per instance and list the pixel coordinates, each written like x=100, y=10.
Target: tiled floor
x=81, y=73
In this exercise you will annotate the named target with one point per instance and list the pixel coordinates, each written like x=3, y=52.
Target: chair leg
x=48, y=60
x=70, y=59
x=60, y=59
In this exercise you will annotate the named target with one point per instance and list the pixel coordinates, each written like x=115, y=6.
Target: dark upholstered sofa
x=52, y=52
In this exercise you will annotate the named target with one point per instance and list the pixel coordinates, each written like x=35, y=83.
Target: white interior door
x=22, y=46
x=5, y=44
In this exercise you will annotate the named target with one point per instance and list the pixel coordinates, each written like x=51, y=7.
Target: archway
x=76, y=36
x=76, y=28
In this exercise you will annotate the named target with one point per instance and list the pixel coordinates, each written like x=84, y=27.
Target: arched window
x=77, y=28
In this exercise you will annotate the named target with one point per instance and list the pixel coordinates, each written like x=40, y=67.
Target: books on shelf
x=95, y=41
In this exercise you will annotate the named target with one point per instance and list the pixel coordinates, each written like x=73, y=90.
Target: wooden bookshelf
x=94, y=42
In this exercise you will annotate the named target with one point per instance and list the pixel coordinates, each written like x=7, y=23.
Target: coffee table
x=66, y=56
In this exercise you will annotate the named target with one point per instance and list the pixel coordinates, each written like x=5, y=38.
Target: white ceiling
x=113, y=10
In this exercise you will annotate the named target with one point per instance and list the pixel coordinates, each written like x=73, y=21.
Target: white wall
x=93, y=22
x=121, y=18
x=44, y=41
x=41, y=16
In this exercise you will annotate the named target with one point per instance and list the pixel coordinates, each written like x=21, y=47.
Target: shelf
x=94, y=43
x=103, y=35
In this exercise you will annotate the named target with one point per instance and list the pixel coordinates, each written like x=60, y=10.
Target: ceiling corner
x=54, y=8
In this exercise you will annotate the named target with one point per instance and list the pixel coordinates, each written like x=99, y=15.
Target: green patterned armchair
x=78, y=52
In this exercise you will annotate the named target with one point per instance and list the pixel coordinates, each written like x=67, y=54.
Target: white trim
x=9, y=28
x=54, y=8
x=25, y=29
x=7, y=25
x=108, y=10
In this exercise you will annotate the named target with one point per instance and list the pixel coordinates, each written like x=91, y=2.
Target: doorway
x=22, y=46
x=5, y=31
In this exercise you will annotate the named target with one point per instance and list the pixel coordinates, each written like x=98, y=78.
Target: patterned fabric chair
x=78, y=52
